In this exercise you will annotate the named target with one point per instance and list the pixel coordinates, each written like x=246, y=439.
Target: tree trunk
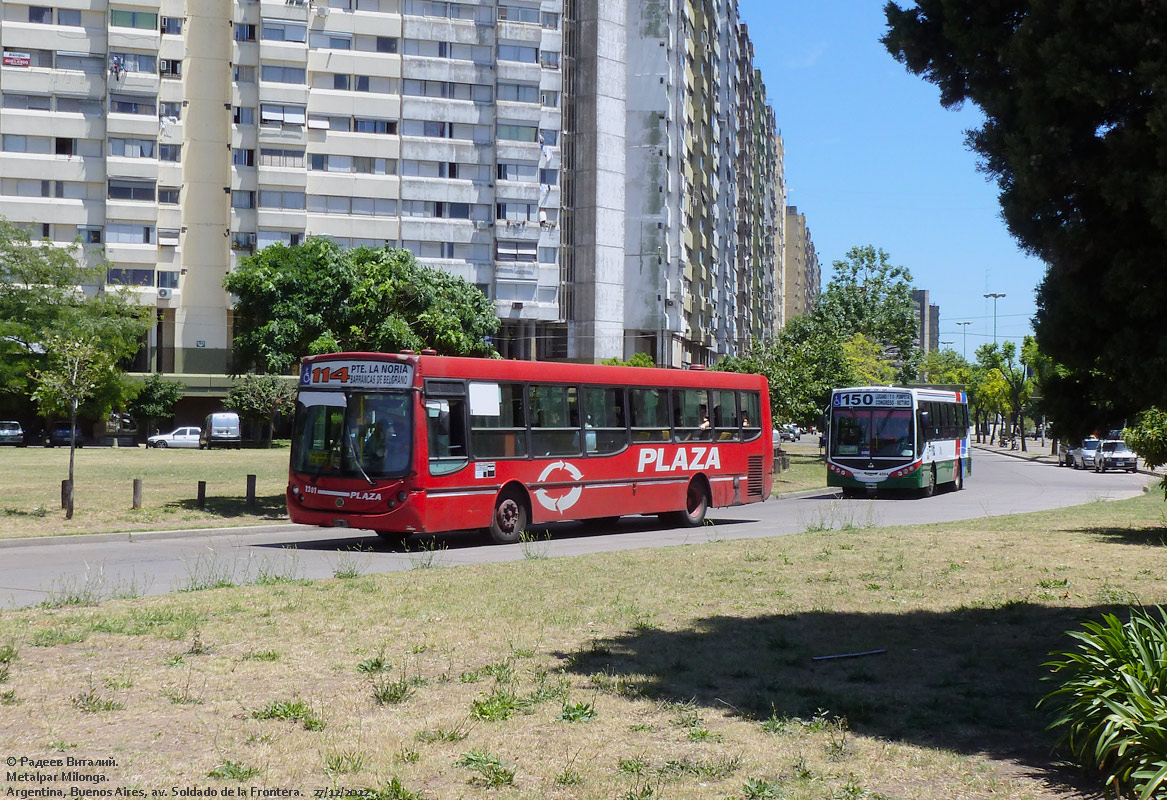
x=1021, y=416
x=72, y=452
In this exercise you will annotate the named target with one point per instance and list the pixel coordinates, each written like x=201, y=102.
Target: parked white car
x=179, y=437
x=1084, y=453
x=1115, y=455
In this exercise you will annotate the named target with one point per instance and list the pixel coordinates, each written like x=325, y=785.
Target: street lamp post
x=964, y=344
x=996, y=296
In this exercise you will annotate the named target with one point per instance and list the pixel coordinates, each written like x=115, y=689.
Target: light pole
x=996, y=296
x=964, y=344
x=944, y=343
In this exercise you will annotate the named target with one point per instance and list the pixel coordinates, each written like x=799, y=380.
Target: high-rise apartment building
x=607, y=171
x=928, y=319
x=803, y=275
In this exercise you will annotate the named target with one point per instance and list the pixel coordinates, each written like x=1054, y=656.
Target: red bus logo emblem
x=563, y=502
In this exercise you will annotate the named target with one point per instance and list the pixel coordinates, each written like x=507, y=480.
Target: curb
x=1047, y=459
x=133, y=536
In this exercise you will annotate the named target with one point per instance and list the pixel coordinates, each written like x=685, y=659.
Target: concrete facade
x=608, y=172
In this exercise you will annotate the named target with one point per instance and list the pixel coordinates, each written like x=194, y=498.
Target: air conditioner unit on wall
x=165, y=294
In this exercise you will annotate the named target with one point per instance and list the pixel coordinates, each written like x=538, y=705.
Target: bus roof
x=496, y=369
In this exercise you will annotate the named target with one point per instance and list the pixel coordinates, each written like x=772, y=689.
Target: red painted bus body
x=486, y=443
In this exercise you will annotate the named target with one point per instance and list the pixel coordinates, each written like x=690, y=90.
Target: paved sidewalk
x=1042, y=455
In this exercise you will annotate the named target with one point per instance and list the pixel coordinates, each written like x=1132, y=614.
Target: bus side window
x=498, y=427
x=691, y=414
x=555, y=423
x=604, y=427
x=725, y=419
x=446, y=434
x=751, y=415
x=649, y=415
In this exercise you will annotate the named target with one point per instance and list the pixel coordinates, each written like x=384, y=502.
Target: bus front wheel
x=510, y=518
x=958, y=479
x=930, y=489
x=696, y=506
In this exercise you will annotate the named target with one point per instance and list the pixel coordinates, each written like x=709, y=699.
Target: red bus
x=404, y=444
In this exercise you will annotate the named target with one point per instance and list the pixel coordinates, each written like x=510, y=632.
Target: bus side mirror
x=925, y=419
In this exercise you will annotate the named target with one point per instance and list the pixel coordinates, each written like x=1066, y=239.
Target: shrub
x=1112, y=702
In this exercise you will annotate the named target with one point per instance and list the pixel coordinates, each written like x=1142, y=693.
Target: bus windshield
x=352, y=434
x=872, y=432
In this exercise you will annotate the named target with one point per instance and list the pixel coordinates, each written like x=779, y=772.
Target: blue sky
x=872, y=158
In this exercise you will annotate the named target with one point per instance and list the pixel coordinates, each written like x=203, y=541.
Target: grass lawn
x=104, y=476
x=807, y=468
x=679, y=673
x=31, y=505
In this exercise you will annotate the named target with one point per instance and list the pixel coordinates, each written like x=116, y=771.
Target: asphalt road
x=104, y=565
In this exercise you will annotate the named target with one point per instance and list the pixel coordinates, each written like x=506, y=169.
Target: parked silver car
x=1114, y=454
x=179, y=437
x=1084, y=453
x=11, y=433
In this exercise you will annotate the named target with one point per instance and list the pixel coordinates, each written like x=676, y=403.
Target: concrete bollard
x=137, y=493
x=202, y=495
x=251, y=491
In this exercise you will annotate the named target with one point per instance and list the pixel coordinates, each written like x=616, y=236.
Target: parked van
x=220, y=429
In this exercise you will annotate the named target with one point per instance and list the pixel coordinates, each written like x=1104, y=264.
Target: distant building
x=802, y=282
x=928, y=319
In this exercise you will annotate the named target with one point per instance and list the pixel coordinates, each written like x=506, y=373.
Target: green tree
x=49, y=293
x=1017, y=385
x=75, y=371
x=802, y=365
x=869, y=295
x=261, y=399
x=155, y=399
x=945, y=366
x=635, y=360
x=1148, y=438
x=315, y=297
x=1074, y=138
x=868, y=364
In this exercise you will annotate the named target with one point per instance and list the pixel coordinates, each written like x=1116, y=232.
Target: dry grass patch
x=104, y=490
x=678, y=673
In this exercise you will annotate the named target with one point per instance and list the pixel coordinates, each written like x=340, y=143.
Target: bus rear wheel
x=696, y=507
x=510, y=518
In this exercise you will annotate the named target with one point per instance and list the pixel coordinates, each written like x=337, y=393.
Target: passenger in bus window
x=704, y=427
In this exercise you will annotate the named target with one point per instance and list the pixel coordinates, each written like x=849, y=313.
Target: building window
x=383, y=126
x=243, y=115
x=243, y=74
x=130, y=277
x=271, y=114
x=168, y=237
x=279, y=73
x=131, y=148
x=517, y=172
x=280, y=31
x=132, y=104
x=550, y=20
x=170, y=152
x=144, y=20
x=517, y=133
x=549, y=99
x=170, y=110
x=386, y=44
x=133, y=62
x=244, y=32
x=170, y=68
x=519, y=92
x=241, y=157
x=516, y=212
x=128, y=233
x=549, y=59
x=242, y=199
x=515, y=52
x=89, y=234
x=130, y=190
x=549, y=177
x=168, y=195
x=81, y=62
x=167, y=278
x=331, y=41
x=518, y=13
x=269, y=157
x=40, y=14
x=242, y=241
x=288, y=200
x=340, y=82
x=32, y=102
x=172, y=26
x=70, y=17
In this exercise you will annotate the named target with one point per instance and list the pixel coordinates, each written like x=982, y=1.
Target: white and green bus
x=890, y=437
